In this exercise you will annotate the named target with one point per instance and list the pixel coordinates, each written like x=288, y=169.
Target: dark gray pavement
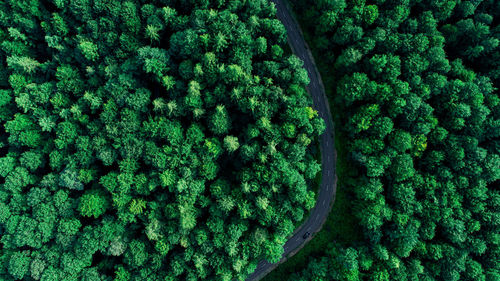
x=326, y=196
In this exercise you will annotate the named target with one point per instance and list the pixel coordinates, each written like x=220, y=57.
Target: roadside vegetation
x=415, y=87
x=340, y=224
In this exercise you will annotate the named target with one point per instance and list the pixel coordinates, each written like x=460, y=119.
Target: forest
x=414, y=85
x=166, y=140
x=150, y=139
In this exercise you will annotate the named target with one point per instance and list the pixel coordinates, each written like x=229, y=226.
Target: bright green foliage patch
x=417, y=85
x=149, y=140
x=94, y=204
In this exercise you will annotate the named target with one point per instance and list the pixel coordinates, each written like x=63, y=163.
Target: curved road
x=326, y=197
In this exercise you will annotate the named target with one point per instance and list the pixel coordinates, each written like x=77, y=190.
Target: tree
x=219, y=121
x=152, y=32
x=402, y=167
x=231, y=143
x=18, y=265
x=89, y=50
x=66, y=231
x=23, y=64
x=37, y=267
x=92, y=204
x=154, y=60
x=370, y=14
x=22, y=131
x=401, y=140
x=273, y=252
x=69, y=179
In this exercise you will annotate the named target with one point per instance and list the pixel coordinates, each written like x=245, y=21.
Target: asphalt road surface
x=326, y=197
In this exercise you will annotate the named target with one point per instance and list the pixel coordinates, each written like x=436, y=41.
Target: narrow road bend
x=328, y=187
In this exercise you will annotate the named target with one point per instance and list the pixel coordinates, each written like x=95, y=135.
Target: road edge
x=330, y=119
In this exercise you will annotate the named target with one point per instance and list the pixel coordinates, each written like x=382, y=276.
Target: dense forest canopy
x=149, y=140
x=415, y=85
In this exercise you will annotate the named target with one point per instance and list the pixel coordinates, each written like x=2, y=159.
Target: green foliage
x=22, y=64
x=92, y=204
x=413, y=81
x=89, y=50
x=231, y=143
x=18, y=265
x=370, y=14
x=149, y=140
